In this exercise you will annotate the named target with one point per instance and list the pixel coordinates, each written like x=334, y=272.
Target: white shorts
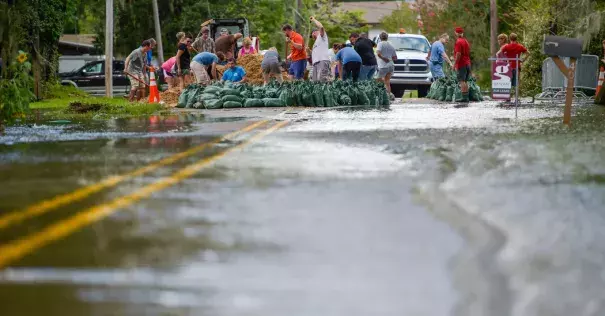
x=200, y=72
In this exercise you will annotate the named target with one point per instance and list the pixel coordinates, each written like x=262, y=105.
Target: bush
x=15, y=89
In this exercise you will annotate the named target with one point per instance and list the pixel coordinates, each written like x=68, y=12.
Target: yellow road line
x=21, y=247
x=81, y=193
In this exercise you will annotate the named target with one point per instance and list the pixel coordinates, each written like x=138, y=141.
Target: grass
x=410, y=94
x=71, y=103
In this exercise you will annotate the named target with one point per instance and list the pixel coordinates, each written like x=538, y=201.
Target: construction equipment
x=238, y=25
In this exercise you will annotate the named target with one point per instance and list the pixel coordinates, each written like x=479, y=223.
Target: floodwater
x=421, y=210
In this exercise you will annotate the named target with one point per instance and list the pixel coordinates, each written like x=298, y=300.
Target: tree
x=400, y=18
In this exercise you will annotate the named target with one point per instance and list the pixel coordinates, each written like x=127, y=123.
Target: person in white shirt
x=386, y=55
x=320, y=55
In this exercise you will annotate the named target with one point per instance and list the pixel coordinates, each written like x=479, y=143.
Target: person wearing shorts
x=203, y=64
x=298, y=55
x=320, y=55
x=183, y=61
x=167, y=69
x=271, y=66
x=386, y=56
x=134, y=67
x=462, y=51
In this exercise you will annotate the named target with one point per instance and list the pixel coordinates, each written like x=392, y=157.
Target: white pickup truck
x=412, y=71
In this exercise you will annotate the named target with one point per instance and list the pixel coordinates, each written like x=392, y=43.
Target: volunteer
x=349, y=63
x=462, y=51
x=320, y=55
x=271, y=66
x=183, y=60
x=226, y=43
x=365, y=48
x=168, y=74
x=204, y=43
x=386, y=57
x=134, y=68
x=298, y=56
x=514, y=50
x=234, y=73
x=204, y=67
x=247, y=48
x=437, y=56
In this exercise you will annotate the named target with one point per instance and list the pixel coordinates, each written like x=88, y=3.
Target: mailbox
x=562, y=46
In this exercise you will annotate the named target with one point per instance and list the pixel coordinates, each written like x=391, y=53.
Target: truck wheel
x=397, y=91
x=423, y=91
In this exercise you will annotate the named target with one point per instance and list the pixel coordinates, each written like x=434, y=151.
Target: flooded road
x=420, y=210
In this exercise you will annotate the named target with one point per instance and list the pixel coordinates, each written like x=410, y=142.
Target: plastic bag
x=207, y=96
x=253, y=103
x=213, y=104
x=273, y=102
x=457, y=96
x=318, y=97
x=287, y=97
x=232, y=104
x=345, y=100
x=229, y=91
x=212, y=90
x=328, y=97
x=232, y=98
x=362, y=98
x=385, y=100
x=449, y=96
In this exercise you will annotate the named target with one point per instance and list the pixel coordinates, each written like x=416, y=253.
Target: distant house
x=374, y=11
x=77, y=44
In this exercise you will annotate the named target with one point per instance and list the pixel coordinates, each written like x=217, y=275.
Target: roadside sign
x=501, y=79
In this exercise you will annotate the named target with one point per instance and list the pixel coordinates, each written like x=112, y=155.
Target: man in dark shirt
x=365, y=48
x=226, y=43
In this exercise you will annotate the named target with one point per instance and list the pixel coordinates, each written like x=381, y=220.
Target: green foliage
x=15, y=89
x=338, y=24
x=57, y=91
x=401, y=18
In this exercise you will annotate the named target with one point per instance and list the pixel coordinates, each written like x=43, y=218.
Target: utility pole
x=109, y=48
x=297, y=16
x=493, y=15
x=158, y=32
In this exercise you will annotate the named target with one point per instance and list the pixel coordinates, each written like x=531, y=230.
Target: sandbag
x=362, y=98
x=345, y=100
x=475, y=92
x=198, y=105
x=229, y=91
x=212, y=90
x=318, y=97
x=213, y=104
x=449, y=96
x=385, y=100
x=207, y=96
x=232, y=104
x=307, y=97
x=273, y=102
x=287, y=97
x=232, y=98
x=253, y=103
x=328, y=97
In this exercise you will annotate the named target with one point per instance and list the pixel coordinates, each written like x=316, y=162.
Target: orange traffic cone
x=601, y=78
x=154, y=93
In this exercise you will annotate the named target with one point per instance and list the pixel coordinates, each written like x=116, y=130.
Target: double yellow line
x=21, y=247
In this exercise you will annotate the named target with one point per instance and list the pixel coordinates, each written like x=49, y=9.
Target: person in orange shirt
x=298, y=57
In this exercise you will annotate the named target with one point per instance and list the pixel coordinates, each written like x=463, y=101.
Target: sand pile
x=251, y=64
x=170, y=96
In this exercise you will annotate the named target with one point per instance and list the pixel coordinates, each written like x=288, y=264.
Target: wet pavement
x=424, y=209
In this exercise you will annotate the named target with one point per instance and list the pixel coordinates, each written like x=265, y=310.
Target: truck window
x=410, y=43
x=95, y=68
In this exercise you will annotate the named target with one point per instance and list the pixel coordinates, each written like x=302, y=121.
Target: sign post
x=502, y=79
x=555, y=46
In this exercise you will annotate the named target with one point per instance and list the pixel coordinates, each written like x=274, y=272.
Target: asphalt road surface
x=424, y=209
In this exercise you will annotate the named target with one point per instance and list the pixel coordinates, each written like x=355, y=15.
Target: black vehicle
x=91, y=78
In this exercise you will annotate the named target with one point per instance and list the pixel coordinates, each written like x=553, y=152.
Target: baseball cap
x=459, y=30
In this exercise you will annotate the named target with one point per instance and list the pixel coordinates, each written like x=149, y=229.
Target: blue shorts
x=437, y=70
x=297, y=68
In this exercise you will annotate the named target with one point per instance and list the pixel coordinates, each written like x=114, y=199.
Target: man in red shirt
x=298, y=56
x=462, y=51
x=513, y=50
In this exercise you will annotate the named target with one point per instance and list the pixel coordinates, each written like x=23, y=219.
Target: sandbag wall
x=447, y=89
x=369, y=94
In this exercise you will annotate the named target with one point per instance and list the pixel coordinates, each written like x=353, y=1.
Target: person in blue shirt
x=349, y=63
x=203, y=66
x=437, y=55
x=234, y=73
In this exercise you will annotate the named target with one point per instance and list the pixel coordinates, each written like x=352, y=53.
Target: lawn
x=70, y=103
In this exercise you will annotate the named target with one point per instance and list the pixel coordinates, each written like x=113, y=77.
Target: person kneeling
x=234, y=73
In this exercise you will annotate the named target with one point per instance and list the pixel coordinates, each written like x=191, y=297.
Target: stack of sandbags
x=447, y=89
x=369, y=94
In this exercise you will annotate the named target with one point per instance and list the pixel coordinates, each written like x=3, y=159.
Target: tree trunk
x=493, y=12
